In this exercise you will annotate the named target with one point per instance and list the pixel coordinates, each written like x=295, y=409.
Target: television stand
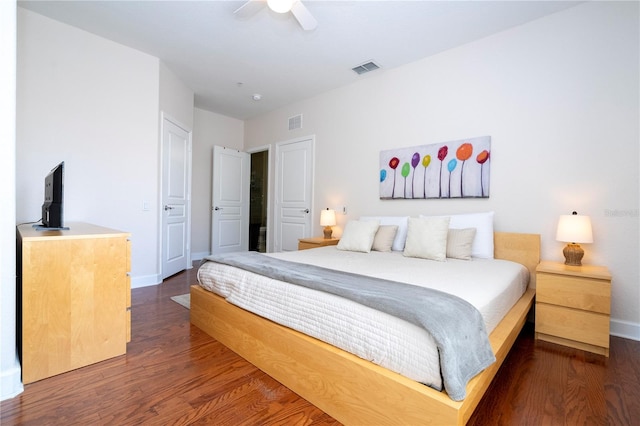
x=74, y=298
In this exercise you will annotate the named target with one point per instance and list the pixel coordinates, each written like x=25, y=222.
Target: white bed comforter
x=492, y=286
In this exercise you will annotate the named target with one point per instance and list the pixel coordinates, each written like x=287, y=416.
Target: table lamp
x=327, y=219
x=574, y=229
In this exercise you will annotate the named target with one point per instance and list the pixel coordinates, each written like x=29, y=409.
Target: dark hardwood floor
x=173, y=373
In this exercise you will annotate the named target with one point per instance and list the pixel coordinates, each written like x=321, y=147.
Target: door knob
x=305, y=211
x=167, y=207
x=216, y=208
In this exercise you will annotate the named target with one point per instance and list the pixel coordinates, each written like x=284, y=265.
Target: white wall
x=176, y=98
x=560, y=99
x=209, y=129
x=10, y=384
x=94, y=104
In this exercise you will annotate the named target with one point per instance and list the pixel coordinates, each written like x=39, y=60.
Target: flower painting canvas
x=455, y=169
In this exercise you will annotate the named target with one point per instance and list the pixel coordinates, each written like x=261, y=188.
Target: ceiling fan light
x=280, y=6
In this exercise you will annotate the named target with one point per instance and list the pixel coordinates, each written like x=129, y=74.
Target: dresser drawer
x=575, y=292
x=572, y=324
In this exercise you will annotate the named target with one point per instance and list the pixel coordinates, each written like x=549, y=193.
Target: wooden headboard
x=521, y=248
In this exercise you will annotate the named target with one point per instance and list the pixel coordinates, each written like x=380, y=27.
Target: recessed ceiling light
x=256, y=97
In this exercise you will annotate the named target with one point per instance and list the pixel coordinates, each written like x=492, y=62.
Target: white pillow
x=427, y=238
x=358, y=235
x=401, y=234
x=460, y=242
x=483, y=222
x=384, y=238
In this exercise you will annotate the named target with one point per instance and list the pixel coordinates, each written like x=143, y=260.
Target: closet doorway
x=258, y=200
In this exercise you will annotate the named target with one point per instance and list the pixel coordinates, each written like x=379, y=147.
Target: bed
x=346, y=386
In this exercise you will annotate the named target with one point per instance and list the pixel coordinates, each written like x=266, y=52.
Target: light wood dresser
x=315, y=242
x=74, y=297
x=573, y=305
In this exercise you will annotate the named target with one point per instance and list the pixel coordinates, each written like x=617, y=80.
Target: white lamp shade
x=573, y=228
x=280, y=6
x=327, y=217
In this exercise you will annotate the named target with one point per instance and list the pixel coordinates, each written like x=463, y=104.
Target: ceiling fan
x=297, y=9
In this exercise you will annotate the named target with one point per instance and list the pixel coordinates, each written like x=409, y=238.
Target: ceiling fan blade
x=304, y=17
x=249, y=8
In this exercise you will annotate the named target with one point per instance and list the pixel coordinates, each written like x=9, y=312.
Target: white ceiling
x=226, y=59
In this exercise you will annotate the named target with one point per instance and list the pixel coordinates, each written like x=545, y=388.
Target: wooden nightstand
x=315, y=242
x=573, y=305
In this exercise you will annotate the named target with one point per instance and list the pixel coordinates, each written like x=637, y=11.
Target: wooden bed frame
x=350, y=389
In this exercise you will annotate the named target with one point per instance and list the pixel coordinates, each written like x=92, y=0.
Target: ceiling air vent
x=295, y=122
x=364, y=68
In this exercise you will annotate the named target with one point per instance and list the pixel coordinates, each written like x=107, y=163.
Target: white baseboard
x=626, y=329
x=11, y=380
x=199, y=256
x=145, y=281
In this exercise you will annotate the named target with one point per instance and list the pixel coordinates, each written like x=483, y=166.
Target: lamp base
x=327, y=232
x=573, y=254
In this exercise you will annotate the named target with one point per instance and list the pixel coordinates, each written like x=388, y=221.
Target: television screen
x=52, y=207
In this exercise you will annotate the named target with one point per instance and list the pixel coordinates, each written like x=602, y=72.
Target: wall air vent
x=364, y=68
x=295, y=122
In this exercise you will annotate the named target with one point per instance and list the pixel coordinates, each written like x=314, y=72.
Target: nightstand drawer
x=573, y=324
x=306, y=246
x=575, y=292
x=315, y=242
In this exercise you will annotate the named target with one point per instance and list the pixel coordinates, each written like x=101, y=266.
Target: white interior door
x=230, y=209
x=176, y=194
x=294, y=190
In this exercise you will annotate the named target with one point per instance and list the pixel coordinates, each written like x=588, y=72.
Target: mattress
x=491, y=285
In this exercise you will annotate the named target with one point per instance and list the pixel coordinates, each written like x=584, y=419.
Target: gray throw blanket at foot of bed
x=456, y=326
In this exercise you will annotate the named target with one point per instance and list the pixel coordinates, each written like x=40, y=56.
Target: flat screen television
x=53, y=206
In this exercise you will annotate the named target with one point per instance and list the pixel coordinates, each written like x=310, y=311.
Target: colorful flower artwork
x=462, y=170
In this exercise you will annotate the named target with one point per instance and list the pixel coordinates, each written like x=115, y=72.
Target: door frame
x=164, y=116
x=270, y=220
x=276, y=191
